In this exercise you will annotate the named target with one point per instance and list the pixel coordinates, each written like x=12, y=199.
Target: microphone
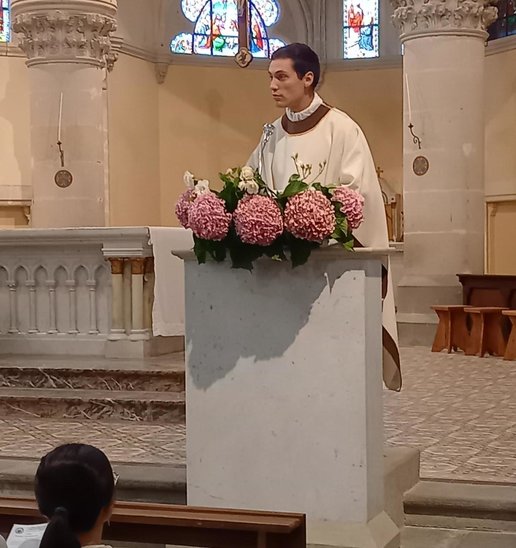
x=268, y=130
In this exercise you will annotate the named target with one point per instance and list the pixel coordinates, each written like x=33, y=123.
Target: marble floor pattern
x=460, y=411
x=124, y=442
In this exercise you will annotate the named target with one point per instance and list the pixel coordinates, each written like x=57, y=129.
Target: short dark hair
x=73, y=484
x=304, y=59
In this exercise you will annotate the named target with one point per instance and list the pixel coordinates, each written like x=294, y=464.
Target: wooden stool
x=510, y=351
x=486, y=334
x=451, y=332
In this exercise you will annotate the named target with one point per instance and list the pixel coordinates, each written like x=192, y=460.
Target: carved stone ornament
x=161, y=72
x=77, y=31
x=416, y=18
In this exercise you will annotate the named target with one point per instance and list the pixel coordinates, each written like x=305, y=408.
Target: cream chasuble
x=330, y=138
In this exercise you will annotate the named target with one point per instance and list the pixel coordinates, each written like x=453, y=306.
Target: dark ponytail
x=74, y=483
x=58, y=533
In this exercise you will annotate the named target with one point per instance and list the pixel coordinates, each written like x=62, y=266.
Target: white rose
x=242, y=185
x=189, y=180
x=252, y=187
x=247, y=173
x=202, y=187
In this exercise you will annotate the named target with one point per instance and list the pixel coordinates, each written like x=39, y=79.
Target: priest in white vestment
x=336, y=148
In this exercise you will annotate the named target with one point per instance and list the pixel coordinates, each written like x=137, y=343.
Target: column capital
x=418, y=18
x=65, y=31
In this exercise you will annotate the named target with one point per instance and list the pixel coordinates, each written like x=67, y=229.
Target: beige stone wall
x=15, y=174
x=210, y=119
x=500, y=169
x=134, y=174
x=500, y=115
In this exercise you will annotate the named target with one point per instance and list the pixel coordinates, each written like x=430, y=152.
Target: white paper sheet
x=26, y=536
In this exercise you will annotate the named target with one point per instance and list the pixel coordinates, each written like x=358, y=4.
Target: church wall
x=211, y=119
x=15, y=154
x=500, y=115
x=500, y=169
x=133, y=143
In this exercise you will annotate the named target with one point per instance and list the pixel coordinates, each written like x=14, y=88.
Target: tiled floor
x=123, y=442
x=460, y=411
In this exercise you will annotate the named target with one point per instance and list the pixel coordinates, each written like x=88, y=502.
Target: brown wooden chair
x=510, y=351
x=182, y=525
x=452, y=332
x=486, y=335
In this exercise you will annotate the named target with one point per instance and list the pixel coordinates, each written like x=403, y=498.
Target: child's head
x=74, y=489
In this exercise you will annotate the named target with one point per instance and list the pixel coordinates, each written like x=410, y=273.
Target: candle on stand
x=59, y=123
x=409, y=106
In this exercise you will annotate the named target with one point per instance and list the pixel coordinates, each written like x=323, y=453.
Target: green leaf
x=226, y=179
x=349, y=244
x=294, y=187
x=230, y=196
x=200, y=249
x=243, y=256
x=217, y=250
x=338, y=234
x=300, y=251
x=276, y=250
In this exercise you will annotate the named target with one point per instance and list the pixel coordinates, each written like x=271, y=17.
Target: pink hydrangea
x=208, y=218
x=310, y=216
x=183, y=205
x=352, y=205
x=258, y=220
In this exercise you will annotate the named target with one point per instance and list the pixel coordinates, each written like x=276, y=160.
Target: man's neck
x=303, y=104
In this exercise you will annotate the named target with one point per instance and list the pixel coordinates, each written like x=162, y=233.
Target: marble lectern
x=284, y=392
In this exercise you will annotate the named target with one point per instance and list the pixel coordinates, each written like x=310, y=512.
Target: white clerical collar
x=304, y=114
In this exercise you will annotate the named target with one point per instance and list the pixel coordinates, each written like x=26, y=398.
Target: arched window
x=361, y=29
x=216, y=28
x=5, y=21
x=505, y=25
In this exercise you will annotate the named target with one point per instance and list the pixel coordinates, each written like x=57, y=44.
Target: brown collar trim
x=296, y=128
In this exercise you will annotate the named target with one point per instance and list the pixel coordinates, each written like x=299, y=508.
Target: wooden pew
x=183, y=525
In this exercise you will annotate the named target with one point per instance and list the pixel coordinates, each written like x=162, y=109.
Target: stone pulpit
x=284, y=392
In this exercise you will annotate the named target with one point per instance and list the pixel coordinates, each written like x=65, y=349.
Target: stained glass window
x=505, y=25
x=215, y=30
x=5, y=21
x=361, y=29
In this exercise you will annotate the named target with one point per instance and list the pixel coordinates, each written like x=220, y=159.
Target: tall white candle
x=409, y=106
x=59, y=123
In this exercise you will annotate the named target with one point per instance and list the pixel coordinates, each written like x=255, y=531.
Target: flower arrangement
x=247, y=220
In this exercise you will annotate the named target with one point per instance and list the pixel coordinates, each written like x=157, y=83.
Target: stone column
x=67, y=44
x=117, y=331
x=443, y=81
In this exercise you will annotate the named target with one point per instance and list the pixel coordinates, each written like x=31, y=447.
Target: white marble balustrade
x=82, y=291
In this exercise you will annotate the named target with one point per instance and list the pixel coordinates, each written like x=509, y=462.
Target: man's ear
x=308, y=79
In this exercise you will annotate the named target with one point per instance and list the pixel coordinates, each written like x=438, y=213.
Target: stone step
x=93, y=404
x=91, y=379
x=138, y=482
x=460, y=505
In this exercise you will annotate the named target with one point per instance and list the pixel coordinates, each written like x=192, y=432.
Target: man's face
x=288, y=90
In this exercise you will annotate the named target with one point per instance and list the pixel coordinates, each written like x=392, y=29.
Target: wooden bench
x=486, y=336
x=182, y=525
x=451, y=331
x=510, y=351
